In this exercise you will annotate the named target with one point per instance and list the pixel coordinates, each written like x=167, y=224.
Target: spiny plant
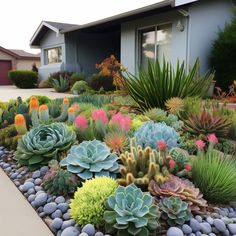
x=154, y=86
x=174, y=105
x=60, y=85
x=207, y=123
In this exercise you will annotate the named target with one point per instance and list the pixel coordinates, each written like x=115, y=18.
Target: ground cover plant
x=94, y=164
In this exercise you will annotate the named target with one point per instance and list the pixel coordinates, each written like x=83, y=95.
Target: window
x=155, y=43
x=53, y=55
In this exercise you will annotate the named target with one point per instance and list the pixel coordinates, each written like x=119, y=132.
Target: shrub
x=175, y=211
x=9, y=137
x=77, y=77
x=42, y=99
x=23, y=78
x=214, y=174
x=43, y=143
x=131, y=212
x=149, y=133
x=223, y=55
x=79, y=87
x=99, y=81
x=91, y=159
x=88, y=205
x=58, y=74
x=154, y=86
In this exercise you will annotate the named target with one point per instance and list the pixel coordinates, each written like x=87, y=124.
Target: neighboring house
x=177, y=29
x=11, y=59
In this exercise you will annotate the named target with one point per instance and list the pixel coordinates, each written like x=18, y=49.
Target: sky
x=19, y=19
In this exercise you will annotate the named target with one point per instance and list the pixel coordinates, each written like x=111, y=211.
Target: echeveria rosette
x=91, y=159
x=41, y=144
x=175, y=211
x=149, y=133
x=131, y=212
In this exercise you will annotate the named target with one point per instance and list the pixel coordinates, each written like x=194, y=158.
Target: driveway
x=11, y=92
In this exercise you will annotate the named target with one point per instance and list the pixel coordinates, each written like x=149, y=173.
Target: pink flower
x=81, y=122
x=162, y=145
x=124, y=122
x=188, y=167
x=212, y=138
x=172, y=164
x=200, y=144
x=76, y=106
x=100, y=115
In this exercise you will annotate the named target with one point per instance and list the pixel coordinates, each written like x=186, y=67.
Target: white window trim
x=45, y=50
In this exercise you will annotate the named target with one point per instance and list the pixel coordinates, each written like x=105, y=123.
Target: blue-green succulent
x=43, y=143
x=149, y=133
x=175, y=211
x=90, y=159
x=131, y=212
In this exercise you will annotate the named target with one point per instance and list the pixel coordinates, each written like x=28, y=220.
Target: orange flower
x=19, y=119
x=71, y=110
x=43, y=108
x=34, y=103
x=65, y=100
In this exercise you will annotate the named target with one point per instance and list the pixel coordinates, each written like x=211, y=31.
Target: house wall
x=129, y=38
x=205, y=20
x=26, y=64
x=51, y=40
x=84, y=50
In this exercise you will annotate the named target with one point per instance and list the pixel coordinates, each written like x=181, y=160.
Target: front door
x=5, y=66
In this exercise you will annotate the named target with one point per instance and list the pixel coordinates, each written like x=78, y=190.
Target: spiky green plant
x=43, y=143
x=175, y=211
x=154, y=86
x=215, y=176
x=60, y=85
x=131, y=212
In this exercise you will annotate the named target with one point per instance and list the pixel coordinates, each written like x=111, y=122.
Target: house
x=177, y=29
x=11, y=59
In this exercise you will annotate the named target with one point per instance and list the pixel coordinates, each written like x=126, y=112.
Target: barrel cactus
x=43, y=143
x=131, y=212
x=175, y=211
x=149, y=133
x=91, y=159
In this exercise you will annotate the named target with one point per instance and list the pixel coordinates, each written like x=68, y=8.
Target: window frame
x=139, y=31
x=59, y=55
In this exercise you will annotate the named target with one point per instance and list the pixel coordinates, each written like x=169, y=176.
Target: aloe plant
x=131, y=212
x=90, y=159
x=154, y=86
x=61, y=85
x=43, y=143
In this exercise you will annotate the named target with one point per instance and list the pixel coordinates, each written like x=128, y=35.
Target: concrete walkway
x=12, y=92
x=17, y=217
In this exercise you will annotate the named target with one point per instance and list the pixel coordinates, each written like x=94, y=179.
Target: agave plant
x=207, y=123
x=149, y=133
x=90, y=159
x=182, y=188
x=43, y=143
x=175, y=211
x=154, y=86
x=131, y=212
x=61, y=85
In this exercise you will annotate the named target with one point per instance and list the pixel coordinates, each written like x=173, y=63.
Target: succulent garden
x=130, y=155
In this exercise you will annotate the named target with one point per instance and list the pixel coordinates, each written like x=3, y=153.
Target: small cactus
x=34, y=105
x=64, y=112
x=20, y=124
x=71, y=115
x=43, y=113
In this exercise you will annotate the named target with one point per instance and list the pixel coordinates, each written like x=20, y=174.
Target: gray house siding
x=84, y=50
x=205, y=19
x=51, y=40
x=129, y=38
x=201, y=27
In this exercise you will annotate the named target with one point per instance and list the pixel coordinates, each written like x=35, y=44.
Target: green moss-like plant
x=88, y=205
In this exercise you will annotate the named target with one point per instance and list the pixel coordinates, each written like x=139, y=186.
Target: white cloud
x=20, y=19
